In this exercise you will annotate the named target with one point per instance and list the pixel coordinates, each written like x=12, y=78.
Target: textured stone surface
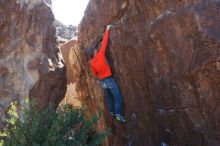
x=66, y=32
x=166, y=58
x=70, y=52
x=31, y=64
x=77, y=84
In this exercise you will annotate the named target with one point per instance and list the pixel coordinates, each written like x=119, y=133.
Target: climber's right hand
x=108, y=27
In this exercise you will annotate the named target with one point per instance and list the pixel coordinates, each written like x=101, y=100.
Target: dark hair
x=90, y=53
x=95, y=45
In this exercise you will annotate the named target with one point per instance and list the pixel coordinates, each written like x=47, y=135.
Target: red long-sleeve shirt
x=99, y=63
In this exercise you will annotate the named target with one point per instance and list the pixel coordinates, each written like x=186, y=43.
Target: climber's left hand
x=108, y=27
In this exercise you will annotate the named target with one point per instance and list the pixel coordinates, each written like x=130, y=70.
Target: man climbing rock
x=99, y=66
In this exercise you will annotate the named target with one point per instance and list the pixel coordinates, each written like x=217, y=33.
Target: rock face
x=65, y=32
x=166, y=58
x=70, y=52
x=31, y=64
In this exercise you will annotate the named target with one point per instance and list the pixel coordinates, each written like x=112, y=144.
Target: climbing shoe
x=120, y=118
x=112, y=114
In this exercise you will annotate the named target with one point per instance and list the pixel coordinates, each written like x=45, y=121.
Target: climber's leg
x=113, y=86
x=108, y=95
x=109, y=101
x=110, y=84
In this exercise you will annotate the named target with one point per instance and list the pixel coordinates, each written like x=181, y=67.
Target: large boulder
x=70, y=51
x=166, y=58
x=31, y=64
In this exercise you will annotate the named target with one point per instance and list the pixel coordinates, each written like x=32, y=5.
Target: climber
x=100, y=67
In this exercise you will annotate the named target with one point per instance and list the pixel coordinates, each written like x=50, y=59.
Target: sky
x=69, y=11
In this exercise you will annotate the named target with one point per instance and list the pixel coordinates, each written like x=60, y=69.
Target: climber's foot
x=120, y=118
x=112, y=114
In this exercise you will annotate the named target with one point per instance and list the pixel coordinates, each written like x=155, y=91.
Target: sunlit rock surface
x=70, y=52
x=31, y=64
x=166, y=58
x=65, y=32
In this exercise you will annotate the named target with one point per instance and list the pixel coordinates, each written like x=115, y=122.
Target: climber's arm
x=105, y=40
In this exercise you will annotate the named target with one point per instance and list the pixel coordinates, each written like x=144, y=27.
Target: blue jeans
x=112, y=95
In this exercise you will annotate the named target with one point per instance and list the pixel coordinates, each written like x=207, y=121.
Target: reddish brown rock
x=165, y=56
x=70, y=52
x=31, y=64
x=77, y=84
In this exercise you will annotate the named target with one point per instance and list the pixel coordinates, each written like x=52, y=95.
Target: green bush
x=50, y=127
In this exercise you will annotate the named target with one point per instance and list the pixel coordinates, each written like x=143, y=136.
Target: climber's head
x=89, y=53
x=93, y=50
